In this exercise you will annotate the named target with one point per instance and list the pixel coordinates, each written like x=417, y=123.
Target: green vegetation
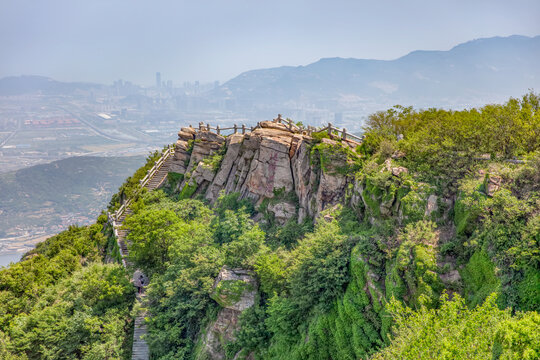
x=214, y=160
x=188, y=190
x=62, y=302
x=442, y=145
x=283, y=234
x=131, y=186
x=335, y=158
x=229, y=292
x=455, y=332
x=479, y=278
x=412, y=275
x=434, y=253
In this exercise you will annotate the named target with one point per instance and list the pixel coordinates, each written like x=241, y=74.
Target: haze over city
x=102, y=41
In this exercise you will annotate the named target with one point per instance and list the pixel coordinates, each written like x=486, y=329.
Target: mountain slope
x=491, y=68
x=36, y=198
x=17, y=85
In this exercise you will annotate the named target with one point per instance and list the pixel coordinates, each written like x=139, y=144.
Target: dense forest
x=440, y=259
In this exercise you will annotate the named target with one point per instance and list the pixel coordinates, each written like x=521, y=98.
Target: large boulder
x=180, y=158
x=187, y=133
x=492, y=184
x=234, y=290
x=431, y=205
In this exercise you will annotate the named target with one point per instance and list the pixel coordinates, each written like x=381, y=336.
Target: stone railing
x=332, y=130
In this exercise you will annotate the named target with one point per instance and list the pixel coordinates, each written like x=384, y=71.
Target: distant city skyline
x=103, y=41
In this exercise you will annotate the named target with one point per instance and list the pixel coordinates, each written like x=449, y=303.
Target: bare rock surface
x=493, y=184
x=283, y=211
x=271, y=159
x=234, y=290
x=431, y=205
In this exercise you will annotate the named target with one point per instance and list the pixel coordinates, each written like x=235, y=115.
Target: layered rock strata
x=271, y=159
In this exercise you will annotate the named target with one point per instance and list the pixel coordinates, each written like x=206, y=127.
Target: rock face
x=282, y=211
x=270, y=159
x=493, y=184
x=234, y=290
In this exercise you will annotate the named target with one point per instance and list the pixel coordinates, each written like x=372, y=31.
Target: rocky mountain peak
x=272, y=161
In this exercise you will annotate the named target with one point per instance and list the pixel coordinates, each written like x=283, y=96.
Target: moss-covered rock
x=188, y=190
x=335, y=158
x=234, y=289
x=229, y=292
x=412, y=274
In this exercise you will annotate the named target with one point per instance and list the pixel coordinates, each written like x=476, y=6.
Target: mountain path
x=140, y=350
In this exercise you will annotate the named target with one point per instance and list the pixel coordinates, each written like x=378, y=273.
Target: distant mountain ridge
x=495, y=67
x=18, y=85
x=472, y=73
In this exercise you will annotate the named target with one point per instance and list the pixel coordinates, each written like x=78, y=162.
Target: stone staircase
x=160, y=176
x=154, y=182
x=156, y=177
x=140, y=349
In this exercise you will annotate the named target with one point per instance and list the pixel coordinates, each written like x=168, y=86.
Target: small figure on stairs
x=141, y=278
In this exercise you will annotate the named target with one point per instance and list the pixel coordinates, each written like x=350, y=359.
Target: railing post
x=217, y=129
x=243, y=128
x=235, y=128
x=344, y=134
x=330, y=130
x=200, y=126
x=289, y=123
x=208, y=127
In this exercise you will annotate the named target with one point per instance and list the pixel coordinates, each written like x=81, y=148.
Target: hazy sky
x=104, y=40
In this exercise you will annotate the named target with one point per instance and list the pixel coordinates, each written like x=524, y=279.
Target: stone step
x=140, y=349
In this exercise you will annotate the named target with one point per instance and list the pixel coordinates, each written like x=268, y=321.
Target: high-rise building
x=158, y=79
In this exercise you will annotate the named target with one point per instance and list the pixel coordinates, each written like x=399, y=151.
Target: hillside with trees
x=419, y=241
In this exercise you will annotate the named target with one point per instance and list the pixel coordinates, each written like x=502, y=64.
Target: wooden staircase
x=155, y=178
